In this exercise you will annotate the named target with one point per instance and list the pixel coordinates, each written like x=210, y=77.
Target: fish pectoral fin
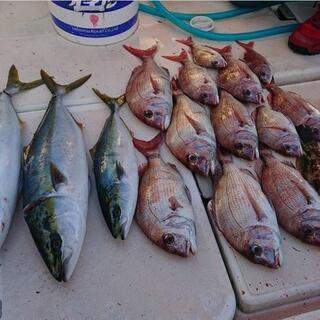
x=57, y=177
x=256, y=206
x=212, y=213
x=304, y=191
x=243, y=119
x=188, y=193
x=80, y=125
x=250, y=173
x=93, y=151
x=197, y=126
x=26, y=150
x=155, y=85
x=120, y=170
x=174, y=203
x=275, y=128
x=166, y=71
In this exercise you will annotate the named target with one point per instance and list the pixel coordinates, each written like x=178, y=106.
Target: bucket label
x=92, y=5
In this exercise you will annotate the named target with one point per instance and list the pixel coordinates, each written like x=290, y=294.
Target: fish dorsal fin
x=120, y=170
x=188, y=193
x=174, y=203
x=57, y=177
x=197, y=125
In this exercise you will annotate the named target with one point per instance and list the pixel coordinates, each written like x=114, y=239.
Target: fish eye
x=55, y=241
x=215, y=62
x=287, y=147
x=192, y=157
x=247, y=92
x=148, y=114
x=168, y=238
x=262, y=74
x=256, y=250
x=308, y=231
x=203, y=96
x=238, y=146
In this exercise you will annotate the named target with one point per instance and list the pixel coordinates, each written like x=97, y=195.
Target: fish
x=116, y=170
x=257, y=62
x=278, y=132
x=11, y=149
x=205, y=56
x=292, y=105
x=309, y=163
x=296, y=203
x=190, y=136
x=149, y=93
x=234, y=128
x=56, y=184
x=238, y=79
x=241, y=211
x=164, y=210
x=195, y=81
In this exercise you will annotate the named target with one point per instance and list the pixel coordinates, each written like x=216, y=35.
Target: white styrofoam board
x=115, y=279
x=260, y=288
x=28, y=40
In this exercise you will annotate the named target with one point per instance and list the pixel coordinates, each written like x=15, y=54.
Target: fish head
x=117, y=222
x=200, y=158
x=246, y=145
x=314, y=124
x=59, y=243
x=293, y=149
x=208, y=94
x=264, y=73
x=264, y=247
x=249, y=91
x=217, y=61
x=157, y=114
x=310, y=229
x=178, y=236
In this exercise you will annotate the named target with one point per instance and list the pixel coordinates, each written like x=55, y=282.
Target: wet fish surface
x=195, y=81
x=56, y=184
x=164, y=210
x=148, y=92
x=238, y=79
x=11, y=150
x=241, y=211
x=278, y=132
x=116, y=170
x=190, y=136
x=296, y=203
x=257, y=62
x=204, y=55
x=234, y=128
x=296, y=108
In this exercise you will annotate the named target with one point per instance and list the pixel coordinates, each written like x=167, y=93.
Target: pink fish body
x=296, y=203
x=195, y=81
x=190, y=136
x=243, y=214
x=148, y=92
x=257, y=62
x=234, y=128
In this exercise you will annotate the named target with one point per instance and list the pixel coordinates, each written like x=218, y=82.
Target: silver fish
x=56, y=184
x=11, y=150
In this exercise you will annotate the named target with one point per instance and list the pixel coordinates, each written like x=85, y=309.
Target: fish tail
x=246, y=46
x=140, y=53
x=58, y=89
x=112, y=103
x=188, y=41
x=182, y=57
x=14, y=85
x=151, y=147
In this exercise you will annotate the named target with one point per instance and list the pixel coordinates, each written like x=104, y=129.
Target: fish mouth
x=190, y=249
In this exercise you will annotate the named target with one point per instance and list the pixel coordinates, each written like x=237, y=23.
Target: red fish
x=301, y=112
x=205, y=56
x=195, y=80
x=234, y=127
x=296, y=203
x=164, y=210
x=257, y=62
x=148, y=92
x=238, y=79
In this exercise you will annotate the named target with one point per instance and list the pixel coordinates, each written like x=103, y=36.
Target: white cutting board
x=260, y=288
x=115, y=279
